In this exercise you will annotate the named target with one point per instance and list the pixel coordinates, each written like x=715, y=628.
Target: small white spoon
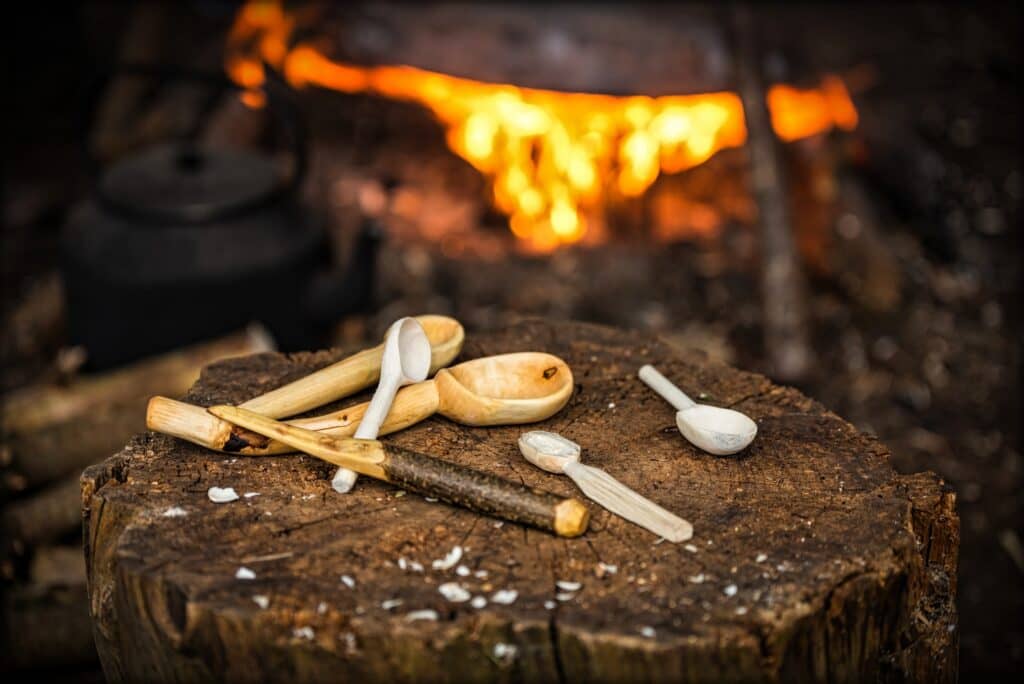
x=556, y=454
x=718, y=431
x=406, y=360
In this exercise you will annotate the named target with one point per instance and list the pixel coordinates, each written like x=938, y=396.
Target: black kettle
x=184, y=242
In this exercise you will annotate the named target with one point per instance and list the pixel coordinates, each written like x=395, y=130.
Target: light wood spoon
x=556, y=454
x=450, y=482
x=510, y=389
x=716, y=430
x=406, y=361
x=339, y=380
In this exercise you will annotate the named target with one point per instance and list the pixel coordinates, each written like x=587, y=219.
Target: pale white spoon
x=716, y=430
x=556, y=454
x=406, y=360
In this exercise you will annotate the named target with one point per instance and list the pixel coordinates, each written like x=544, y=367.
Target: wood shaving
x=453, y=592
x=449, y=561
x=221, y=495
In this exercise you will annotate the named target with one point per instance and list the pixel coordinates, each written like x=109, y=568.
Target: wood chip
x=421, y=615
x=449, y=561
x=221, y=495
x=453, y=592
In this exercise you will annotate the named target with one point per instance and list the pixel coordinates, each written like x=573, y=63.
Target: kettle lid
x=184, y=182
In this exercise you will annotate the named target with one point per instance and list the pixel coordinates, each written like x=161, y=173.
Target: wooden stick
x=453, y=483
x=782, y=280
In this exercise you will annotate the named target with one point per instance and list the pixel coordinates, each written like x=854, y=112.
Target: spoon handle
x=604, y=489
x=378, y=409
x=344, y=479
x=663, y=386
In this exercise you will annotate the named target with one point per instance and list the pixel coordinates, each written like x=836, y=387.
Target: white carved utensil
x=716, y=430
x=556, y=454
x=406, y=360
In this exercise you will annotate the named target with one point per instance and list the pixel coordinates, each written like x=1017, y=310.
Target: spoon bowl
x=718, y=431
x=510, y=389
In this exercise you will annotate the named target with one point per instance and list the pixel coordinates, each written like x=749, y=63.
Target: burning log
x=782, y=282
x=811, y=558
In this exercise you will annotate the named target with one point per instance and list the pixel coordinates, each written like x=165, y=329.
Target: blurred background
x=828, y=195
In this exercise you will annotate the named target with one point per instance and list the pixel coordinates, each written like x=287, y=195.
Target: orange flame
x=553, y=158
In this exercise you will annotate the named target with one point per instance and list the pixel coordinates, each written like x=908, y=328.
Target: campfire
x=555, y=161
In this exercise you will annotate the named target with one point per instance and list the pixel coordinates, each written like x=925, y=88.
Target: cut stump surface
x=811, y=558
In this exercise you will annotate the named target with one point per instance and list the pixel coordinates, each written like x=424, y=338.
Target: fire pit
x=556, y=107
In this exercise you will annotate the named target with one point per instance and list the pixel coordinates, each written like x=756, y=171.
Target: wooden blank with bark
x=812, y=559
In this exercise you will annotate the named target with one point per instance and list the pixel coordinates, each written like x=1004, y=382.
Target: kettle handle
x=279, y=103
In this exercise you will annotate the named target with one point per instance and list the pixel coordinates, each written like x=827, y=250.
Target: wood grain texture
x=842, y=569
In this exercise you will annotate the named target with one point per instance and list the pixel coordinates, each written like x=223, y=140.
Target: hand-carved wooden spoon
x=556, y=454
x=510, y=389
x=406, y=361
x=341, y=379
x=719, y=431
x=450, y=482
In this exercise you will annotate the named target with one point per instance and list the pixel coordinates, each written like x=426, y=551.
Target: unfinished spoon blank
x=426, y=475
x=339, y=380
x=509, y=389
x=716, y=430
x=406, y=360
x=556, y=454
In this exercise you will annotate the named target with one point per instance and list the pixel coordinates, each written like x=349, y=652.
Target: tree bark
x=811, y=559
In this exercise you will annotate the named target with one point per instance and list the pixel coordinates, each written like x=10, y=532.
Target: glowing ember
x=554, y=158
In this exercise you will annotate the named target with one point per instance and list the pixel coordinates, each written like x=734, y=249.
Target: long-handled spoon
x=719, y=431
x=510, y=389
x=453, y=483
x=406, y=361
x=341, y=379
x=556, y=454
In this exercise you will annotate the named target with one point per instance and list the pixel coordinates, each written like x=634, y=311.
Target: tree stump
x=811, y=559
